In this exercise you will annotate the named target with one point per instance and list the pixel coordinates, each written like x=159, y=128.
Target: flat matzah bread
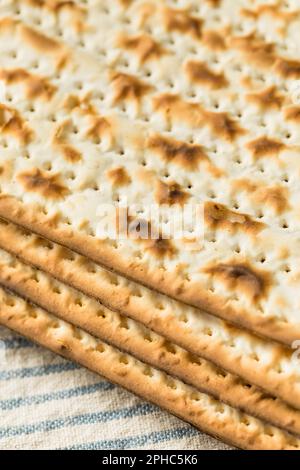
x=161, y=103
x=197, y=408
x=264, y=363
x=133, y=338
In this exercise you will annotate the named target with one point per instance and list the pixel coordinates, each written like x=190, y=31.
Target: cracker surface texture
x=162, y=103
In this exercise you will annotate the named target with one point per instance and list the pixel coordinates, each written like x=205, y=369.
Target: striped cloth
x=47, y=402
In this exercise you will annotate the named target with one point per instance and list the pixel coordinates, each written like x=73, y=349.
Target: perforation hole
x=170, y=347
x=101, y=314
x=124, y=323
x=123, y=360
x=100, y=348
x=171, y=384
x=10, y=302
x=56, y=289
x=148, y=371
x=147, y=337
x=78, y=302
x=195, y=396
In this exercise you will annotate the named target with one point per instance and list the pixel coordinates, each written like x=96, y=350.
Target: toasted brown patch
x=160, y=248
x=36, y=86
x=12, y=123
x=200, y=74
x=288, y=68
x=273, y=10
x=214, y=3
x=48, y=186
x=39, y=41
x=174, y=108
x=182, y=22
x=81, y=104
x=143, y=45
x=270, y=98
x=255, y=50
x=6, y=169
x=276, y=196
x=292, y=113
x=265, y=147
x=218, y=216
x=223, y=126
x=99, y=128
x=128, y=87
x=118, y=176
x=60, y=140
x=214, y=40
x=188, y=156
x=242, y=278
x=170, y=193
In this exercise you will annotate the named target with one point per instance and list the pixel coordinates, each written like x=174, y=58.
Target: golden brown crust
x=196, y=408
x=144, y=306
x=38, y=181
x=132, y=337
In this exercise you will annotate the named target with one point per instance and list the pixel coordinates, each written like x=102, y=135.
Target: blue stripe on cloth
x=137, y=441
x=77, y=420
x=38, y=371
x=16, y=343
x=13, y=403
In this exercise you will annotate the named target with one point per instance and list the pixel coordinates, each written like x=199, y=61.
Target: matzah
x=131, y=337
x=197, y=408
x=265, y=364
x=161, y=102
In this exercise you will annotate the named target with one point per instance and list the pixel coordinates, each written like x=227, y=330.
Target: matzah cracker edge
x=266, y=364
x=130, y=336
x=257, y=260
x=202, y=411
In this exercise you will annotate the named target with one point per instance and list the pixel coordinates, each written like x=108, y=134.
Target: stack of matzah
x=135, y=104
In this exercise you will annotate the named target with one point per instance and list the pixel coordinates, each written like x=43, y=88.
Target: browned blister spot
x=99, y=128
x=223, y=126
x=39, y=41
x=170, y=193
x=61, y=141
x=292, y=113
x=48, y=186
x=270, y=98
x=274, y=10
x=242, y=278
x=160, y=248
x=12, y=123
x=6, y=169
x=288, y=68
x=128, y=87
x=79, y=104
x=200, y=74
x=255, y=50
x=186, y=155
x=175, y=109
x=182, y=21
x=214, y=40
x=125, y=3
x=118, y=177
x=219, y=217
x=265, y=147
x=36, y=86
x=143, y=45
x=276, y=197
